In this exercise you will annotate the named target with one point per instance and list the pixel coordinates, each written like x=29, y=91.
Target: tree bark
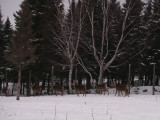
x=13, y=88
x=19, y=83
x=100, y=75
x=129, y=78
x=6, y=79
x=0, y=86
x=153, y=93
x=28, y=84
x=48, y=86
x=70, y=78
x=52, y=79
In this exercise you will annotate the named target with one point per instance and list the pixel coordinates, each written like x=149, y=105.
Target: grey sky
x=9, y=7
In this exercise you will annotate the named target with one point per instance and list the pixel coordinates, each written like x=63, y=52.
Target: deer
x=5, y=91
x=79, y=89
x=120, y=88
x=100, y=88
x=58, y=88
x=37, y=90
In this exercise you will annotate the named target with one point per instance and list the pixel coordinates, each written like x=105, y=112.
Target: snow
x=92, y=107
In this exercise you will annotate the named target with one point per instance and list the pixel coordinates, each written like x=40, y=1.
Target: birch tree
x=106, y=51
x=67, y=41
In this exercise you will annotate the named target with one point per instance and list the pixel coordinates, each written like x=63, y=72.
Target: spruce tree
x=136, y=36
x=1, y=37
x=1, y=49
x=156, y=31
x=21, y=52
x=143, y=67
x=44, y=21
x=8, y=32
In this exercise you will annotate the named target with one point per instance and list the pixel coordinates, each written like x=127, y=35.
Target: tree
x=1, y=49
x=8, y=32
x=67, y=42
x=21, y=52
x=44, y=19
x=106, y=51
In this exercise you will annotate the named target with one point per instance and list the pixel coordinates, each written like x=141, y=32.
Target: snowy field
x=139, y=106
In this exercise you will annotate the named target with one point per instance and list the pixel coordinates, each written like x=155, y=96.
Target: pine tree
x=21, y=52
x=135, y=25
x=44, y=21
x=1, y=37
x=6, y=43
x=1, y=49
x=8, y=32
x=156, y=31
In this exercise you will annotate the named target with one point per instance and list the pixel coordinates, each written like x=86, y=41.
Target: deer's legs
x=62, y=93
x=116, y=92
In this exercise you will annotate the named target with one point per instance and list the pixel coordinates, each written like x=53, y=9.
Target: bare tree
x=67, y=42
x=106, y=55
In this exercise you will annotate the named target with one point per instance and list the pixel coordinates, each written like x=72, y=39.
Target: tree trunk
x=19, y=82
x=157, y=80
x=48, y=86
x=129, y=78
x=6, y=80
x=23, y=84
x=21, y=88
x=0, y=85
x=153, y=82
x=52, y=79
x=44, y=83
x=70, y=78
x=100, y=75
x=28, y=84
x=76, y=74
x=13, y=88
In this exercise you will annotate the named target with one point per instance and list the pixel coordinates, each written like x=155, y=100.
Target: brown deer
x=5, y=91
x=101, y=88
x=79, y=89
x=58, y=88
x=120, y=88
x=37, y=90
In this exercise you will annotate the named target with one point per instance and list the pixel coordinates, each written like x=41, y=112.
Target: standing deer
x=5, y=91
x=101, y=88
x=79, y=89
x=120, y=88
x=37, y=90
x=58, y=88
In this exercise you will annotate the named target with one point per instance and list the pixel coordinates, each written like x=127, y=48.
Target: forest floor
x=139, y=105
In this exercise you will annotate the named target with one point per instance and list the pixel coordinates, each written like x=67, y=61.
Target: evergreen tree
x=44, y=21
x=156, y=31
x=21, y=52
x=136, y=36
x=143, y=68
x=1, y=37
x=6, y=43
x=1, y=49
x=152, y=54
x=8, y=32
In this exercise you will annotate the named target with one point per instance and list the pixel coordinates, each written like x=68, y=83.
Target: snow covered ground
x=141, y=105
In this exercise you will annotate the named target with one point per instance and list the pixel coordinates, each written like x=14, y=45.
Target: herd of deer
x=78, y=89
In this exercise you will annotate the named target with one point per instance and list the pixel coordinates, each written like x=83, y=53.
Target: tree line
x=92, y=39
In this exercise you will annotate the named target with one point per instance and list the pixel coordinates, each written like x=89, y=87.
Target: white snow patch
x=91, y=107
